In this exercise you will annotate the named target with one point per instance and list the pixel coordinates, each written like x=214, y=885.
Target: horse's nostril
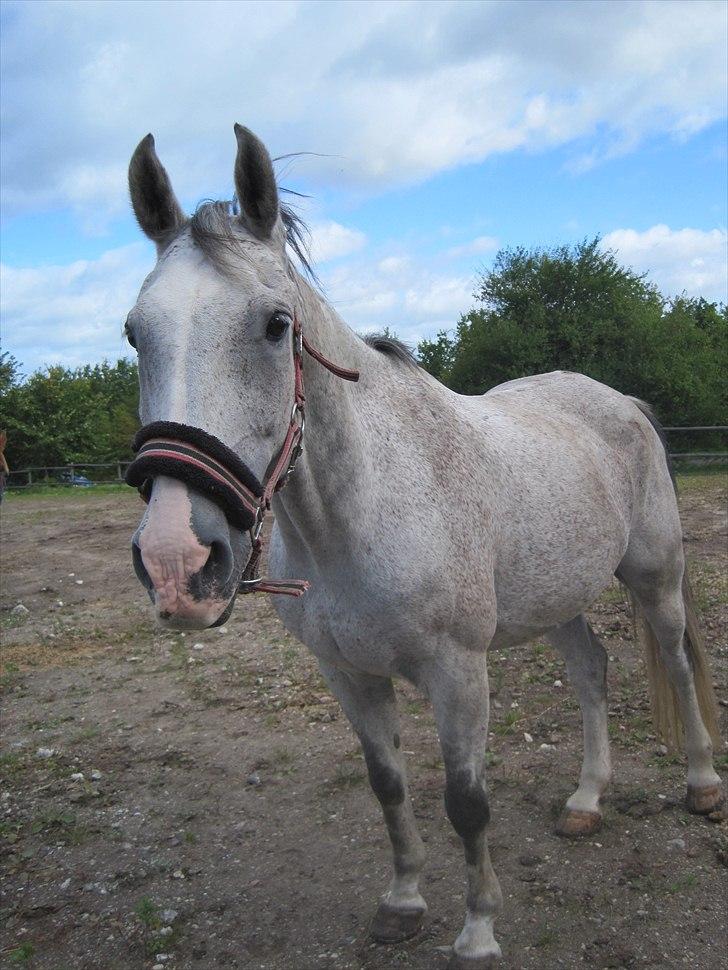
x=139, y=568
x=219, y=566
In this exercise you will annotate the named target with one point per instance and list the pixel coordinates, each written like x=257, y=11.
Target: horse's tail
x=663, y=698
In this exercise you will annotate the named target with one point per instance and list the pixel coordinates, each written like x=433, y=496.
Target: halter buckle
x=257, y=526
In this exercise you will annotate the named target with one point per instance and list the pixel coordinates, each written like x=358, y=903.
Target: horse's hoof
x=703, y=801
x=458, y=962
x=392, y=925
x=576, y=825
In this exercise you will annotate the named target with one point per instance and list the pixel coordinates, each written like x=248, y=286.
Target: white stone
x=198, y=646
x=77, y=776
x=558, y=683
x=20, y=610
x=528, y=737
x=95, y=774
x=45, y=752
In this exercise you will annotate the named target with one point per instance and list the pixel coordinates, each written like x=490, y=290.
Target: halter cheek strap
x=202, y=461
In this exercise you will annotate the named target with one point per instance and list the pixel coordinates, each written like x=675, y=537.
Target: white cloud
x=331, y=240
x=392, y=265
x=388, y=92
x=476, y=247
x=415, y=301
x=72, y=314
x=693, y=261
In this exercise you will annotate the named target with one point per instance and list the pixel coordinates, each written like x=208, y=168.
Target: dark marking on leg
x=395, y=740
x=467, y=808
x=385, y=779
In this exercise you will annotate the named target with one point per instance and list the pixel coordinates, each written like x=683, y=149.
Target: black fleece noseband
x=200, y=460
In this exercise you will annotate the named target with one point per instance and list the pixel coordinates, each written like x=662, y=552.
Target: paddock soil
x=199, y=801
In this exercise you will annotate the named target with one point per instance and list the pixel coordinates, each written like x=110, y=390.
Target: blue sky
x=443, y=131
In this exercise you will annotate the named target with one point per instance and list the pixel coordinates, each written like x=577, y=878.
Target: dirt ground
x=199, y=801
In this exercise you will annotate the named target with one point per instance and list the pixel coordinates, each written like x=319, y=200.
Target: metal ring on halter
x=298, y=416
x=251, y=582
x=257, y=526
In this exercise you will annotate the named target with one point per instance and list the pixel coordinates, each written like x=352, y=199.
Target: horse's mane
x=392, y=347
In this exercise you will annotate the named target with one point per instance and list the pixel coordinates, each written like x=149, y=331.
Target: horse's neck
x=336, y=444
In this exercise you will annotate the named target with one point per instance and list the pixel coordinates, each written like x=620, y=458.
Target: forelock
x=216, y=229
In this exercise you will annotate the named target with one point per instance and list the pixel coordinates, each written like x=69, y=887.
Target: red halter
x=287, y=457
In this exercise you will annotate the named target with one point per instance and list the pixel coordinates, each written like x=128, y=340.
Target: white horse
x=429, y=525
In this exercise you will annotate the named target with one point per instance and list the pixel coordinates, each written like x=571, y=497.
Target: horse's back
x=568, y=410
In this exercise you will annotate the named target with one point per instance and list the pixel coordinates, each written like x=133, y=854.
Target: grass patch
x=507, y=725
x=147, y=912
x=10, y=676
x=700, y=479
x=613, y=595
x=11, y=621
x=149, y=915
x=680, y=885
x=546, y=938
x=12, y=763
x=22, y=954
x=709, y=583
x=66, y=492
x=283, y=761
x=346, y=778
x=63, y=825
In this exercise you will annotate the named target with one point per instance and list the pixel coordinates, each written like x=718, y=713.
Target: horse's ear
x=157, y=210
x=255, y=184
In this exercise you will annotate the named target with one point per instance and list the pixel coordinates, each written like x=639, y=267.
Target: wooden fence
x=71, y=475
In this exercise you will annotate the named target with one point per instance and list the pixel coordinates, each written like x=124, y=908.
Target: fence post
x=30, y=477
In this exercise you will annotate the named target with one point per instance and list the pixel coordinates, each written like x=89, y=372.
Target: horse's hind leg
x=661, y=599
x=370, y=705
x=586, y=664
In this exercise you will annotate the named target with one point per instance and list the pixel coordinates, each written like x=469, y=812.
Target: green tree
x=437, y=356
x=60, y=416
x=9, y=372
x=576, y=308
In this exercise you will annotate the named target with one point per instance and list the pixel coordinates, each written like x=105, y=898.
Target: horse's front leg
x=370, y=704
x=459, y=692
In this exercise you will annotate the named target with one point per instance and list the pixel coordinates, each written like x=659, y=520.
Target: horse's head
x=212, y=328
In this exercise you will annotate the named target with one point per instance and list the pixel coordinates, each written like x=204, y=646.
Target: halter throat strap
x=198, y=458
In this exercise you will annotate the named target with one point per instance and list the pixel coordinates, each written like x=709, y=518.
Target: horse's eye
x=277, y=326
x=129, y=336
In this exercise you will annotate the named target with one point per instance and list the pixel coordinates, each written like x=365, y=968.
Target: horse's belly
x=542, y=588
